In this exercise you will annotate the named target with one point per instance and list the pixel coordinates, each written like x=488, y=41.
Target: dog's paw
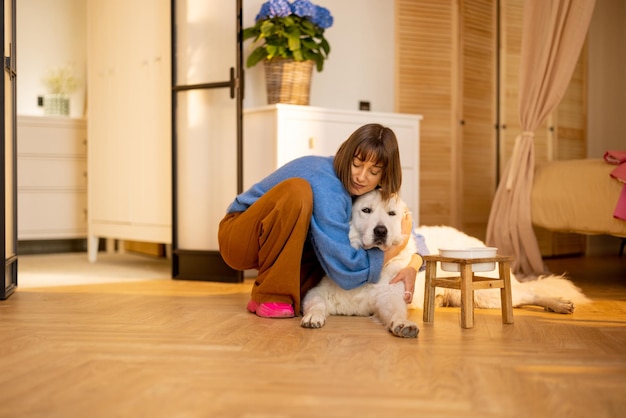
x=562, y=306
x=405, y=329
x=312, y=320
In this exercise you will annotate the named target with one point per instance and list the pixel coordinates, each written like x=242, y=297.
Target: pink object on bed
x=619, y=173
x=620, y=209
x=615, y=157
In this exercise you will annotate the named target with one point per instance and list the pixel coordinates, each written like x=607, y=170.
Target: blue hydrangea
x=322, y=17
x=274, y=8
x=319, y=15
x=303, y=8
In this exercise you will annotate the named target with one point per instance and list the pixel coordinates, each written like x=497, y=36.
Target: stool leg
x=429, y=292
x=505, y=293
x=467, y=296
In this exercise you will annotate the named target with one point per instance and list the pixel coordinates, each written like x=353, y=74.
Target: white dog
x=376, y=223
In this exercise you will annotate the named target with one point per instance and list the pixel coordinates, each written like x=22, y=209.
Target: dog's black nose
x=380, y=231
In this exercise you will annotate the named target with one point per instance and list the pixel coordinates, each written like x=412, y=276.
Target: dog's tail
x=541, y=291
x=551, y=286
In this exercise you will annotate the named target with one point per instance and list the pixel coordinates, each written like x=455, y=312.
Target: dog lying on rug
x=386, y=302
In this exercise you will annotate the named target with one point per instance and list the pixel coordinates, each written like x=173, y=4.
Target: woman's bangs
x=369, y=152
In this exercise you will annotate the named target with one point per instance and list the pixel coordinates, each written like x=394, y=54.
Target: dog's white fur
x=374, y=224
x=554, y=293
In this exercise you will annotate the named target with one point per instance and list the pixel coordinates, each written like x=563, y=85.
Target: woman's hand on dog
x=407, y=276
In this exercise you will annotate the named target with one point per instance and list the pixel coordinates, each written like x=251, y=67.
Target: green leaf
x=325, y=46
x=308, y=27
x=309, y=44
x=250, y=32
x=293, y=39
x=272, y=51
x=297, y=54
x=267, y=28
x=319, y=62
x=256, y=56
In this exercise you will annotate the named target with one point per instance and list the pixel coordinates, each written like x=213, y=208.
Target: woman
x=293, y=225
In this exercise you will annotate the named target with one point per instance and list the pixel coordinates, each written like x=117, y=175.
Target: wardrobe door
x=426, y=74
x=511, y=16
x=129, y=122
x=447, y=71
x=477, y=139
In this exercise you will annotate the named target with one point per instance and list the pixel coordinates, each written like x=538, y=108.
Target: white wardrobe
x=129, y=121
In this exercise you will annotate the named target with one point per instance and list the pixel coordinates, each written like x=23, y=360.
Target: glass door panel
x=206, y=133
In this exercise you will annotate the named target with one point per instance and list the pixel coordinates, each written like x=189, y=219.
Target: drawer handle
x=311, y=142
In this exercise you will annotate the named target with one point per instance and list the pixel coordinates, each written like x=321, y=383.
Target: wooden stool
x=467, y=282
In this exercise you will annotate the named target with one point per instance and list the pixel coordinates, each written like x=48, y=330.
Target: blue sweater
x=330, y=221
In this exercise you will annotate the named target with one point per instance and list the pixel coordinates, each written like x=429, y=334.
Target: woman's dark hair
x=371, y=142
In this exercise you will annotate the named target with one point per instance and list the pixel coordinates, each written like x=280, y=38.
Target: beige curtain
x=553, y=34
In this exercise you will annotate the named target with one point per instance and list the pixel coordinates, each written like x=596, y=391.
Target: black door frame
x=205, y=264
x=9, y=194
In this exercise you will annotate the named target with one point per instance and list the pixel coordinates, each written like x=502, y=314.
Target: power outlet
x=364, y=105
x=40, y=101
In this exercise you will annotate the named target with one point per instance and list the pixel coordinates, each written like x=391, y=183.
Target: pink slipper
x=271, y=309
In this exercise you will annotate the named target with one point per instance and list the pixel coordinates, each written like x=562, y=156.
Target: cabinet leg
x=92, y=248
x=110, y=245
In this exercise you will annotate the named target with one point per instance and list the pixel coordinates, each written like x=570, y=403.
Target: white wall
x=360, y=65
x=50, y=34
x=607, y=78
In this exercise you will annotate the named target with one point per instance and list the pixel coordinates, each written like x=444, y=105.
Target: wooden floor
x=165, y=348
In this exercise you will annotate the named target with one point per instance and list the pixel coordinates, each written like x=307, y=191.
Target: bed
x=577, y=196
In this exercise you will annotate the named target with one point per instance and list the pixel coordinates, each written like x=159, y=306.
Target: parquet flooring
x=166, y=348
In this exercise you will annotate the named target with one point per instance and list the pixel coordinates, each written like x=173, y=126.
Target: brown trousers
x=271, y=236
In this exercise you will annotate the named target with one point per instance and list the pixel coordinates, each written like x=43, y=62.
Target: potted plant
x=60, y=82
x=289, y=40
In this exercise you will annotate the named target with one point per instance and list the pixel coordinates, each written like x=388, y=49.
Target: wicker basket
x=288, y=81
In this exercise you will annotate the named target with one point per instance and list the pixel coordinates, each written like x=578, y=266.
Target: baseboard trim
x=203, y=266
x=51, y=246
x=56, y=246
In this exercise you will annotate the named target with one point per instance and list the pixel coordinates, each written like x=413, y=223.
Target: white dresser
x=276, y=134
x=51, y=178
